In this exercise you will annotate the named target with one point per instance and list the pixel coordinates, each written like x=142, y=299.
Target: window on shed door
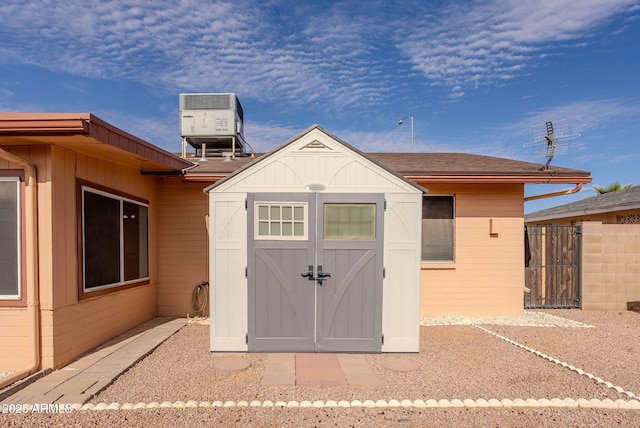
x=350, y=221
x=115, y=240
x=438, y=220
x=280, y=221
x=10, y=238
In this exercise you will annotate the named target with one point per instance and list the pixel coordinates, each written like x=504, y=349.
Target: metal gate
x=552, y=266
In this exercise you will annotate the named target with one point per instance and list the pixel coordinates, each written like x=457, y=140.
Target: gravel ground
x=457, y=361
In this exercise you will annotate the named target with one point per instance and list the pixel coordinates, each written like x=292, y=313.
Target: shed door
x=315, y=272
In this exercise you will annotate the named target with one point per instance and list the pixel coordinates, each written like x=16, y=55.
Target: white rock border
x=607, y=403
x=579, y=371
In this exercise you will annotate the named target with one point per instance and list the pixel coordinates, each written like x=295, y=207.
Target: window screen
x=437, y=228
x=9, y=238
x=115, y=240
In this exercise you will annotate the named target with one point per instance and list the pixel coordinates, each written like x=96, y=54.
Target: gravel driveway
x=456, y=362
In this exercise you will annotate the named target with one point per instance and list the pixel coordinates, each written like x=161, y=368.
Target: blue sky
x=477, y=76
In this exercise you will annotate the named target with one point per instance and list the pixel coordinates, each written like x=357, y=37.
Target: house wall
x=182, y=244
x=15, y=316
x=610, y=265
x=103, y=317
x=487, y=276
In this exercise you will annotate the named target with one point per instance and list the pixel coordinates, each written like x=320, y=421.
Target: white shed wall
x=401, y=286
x=227, y=283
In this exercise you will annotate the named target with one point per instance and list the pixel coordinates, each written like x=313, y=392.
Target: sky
x=477, y=77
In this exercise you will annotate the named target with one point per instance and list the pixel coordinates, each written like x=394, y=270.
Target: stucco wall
x=487, y=276
x=610, y=265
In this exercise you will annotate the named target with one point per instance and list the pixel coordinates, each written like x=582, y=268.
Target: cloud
x=327, y=56
x=477, y=43
x=307, y=56
x=580, y=116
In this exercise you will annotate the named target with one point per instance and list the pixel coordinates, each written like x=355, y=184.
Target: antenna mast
x=554, y=142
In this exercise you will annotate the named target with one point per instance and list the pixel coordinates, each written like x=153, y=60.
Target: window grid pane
x=280, y=221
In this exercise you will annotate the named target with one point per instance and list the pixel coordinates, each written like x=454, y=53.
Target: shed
x=315, y=247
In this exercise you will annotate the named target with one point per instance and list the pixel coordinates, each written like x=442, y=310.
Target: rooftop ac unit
x=212, y=119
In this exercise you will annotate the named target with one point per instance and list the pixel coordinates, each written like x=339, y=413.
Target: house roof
x=622, y=200
x=88, y=134
x=425, y=167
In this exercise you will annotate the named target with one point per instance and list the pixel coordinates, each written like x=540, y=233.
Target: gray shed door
x=315, y=272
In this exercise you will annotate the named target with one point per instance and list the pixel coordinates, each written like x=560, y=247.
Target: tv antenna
x=553, y=141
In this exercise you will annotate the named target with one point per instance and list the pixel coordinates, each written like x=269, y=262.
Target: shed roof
x=88, y=134
x=622, y=200
x=261, y=158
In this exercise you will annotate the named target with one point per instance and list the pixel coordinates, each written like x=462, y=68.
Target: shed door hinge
x=246, y=204
x=246, y=272
x=383, y=339
x=384, y=272
x=385, y=204
x=246, y=338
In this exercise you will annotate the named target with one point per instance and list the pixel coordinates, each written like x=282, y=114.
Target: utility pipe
x=33, y=289
x=551, y=195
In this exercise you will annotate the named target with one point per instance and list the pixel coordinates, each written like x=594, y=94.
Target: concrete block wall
x=610, y=265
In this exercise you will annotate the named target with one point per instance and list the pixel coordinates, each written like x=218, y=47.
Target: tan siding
x=487, y=277
x=15, y=336
x=63, y=337
x=102, y=319
x=182, y=244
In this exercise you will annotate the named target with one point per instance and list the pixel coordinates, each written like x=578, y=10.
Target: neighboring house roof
x=621, y=200
x=87, y=134
x=425, y=167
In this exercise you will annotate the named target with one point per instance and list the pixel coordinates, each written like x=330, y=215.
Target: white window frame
x=17, y=296
x=256, y=221
x=122, y=281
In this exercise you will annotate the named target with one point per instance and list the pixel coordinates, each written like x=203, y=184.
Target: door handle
x=309, y=273
x=322, y=275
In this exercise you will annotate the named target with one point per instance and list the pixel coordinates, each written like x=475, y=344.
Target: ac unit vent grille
x=208, y=101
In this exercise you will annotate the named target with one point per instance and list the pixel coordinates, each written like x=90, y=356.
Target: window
x=350, y=221
x=281, y=221
x=10, y=266
x=437, y=228
x=115, y=237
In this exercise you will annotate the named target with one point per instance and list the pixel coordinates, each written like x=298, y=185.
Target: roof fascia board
x=43, y=123
x=116, y=137
x=86, y=124
x=472, y=178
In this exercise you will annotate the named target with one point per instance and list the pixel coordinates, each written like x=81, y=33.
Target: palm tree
x=613, y=187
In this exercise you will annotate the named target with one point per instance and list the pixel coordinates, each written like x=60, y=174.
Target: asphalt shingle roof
x=626, y=199
x=423, y=164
